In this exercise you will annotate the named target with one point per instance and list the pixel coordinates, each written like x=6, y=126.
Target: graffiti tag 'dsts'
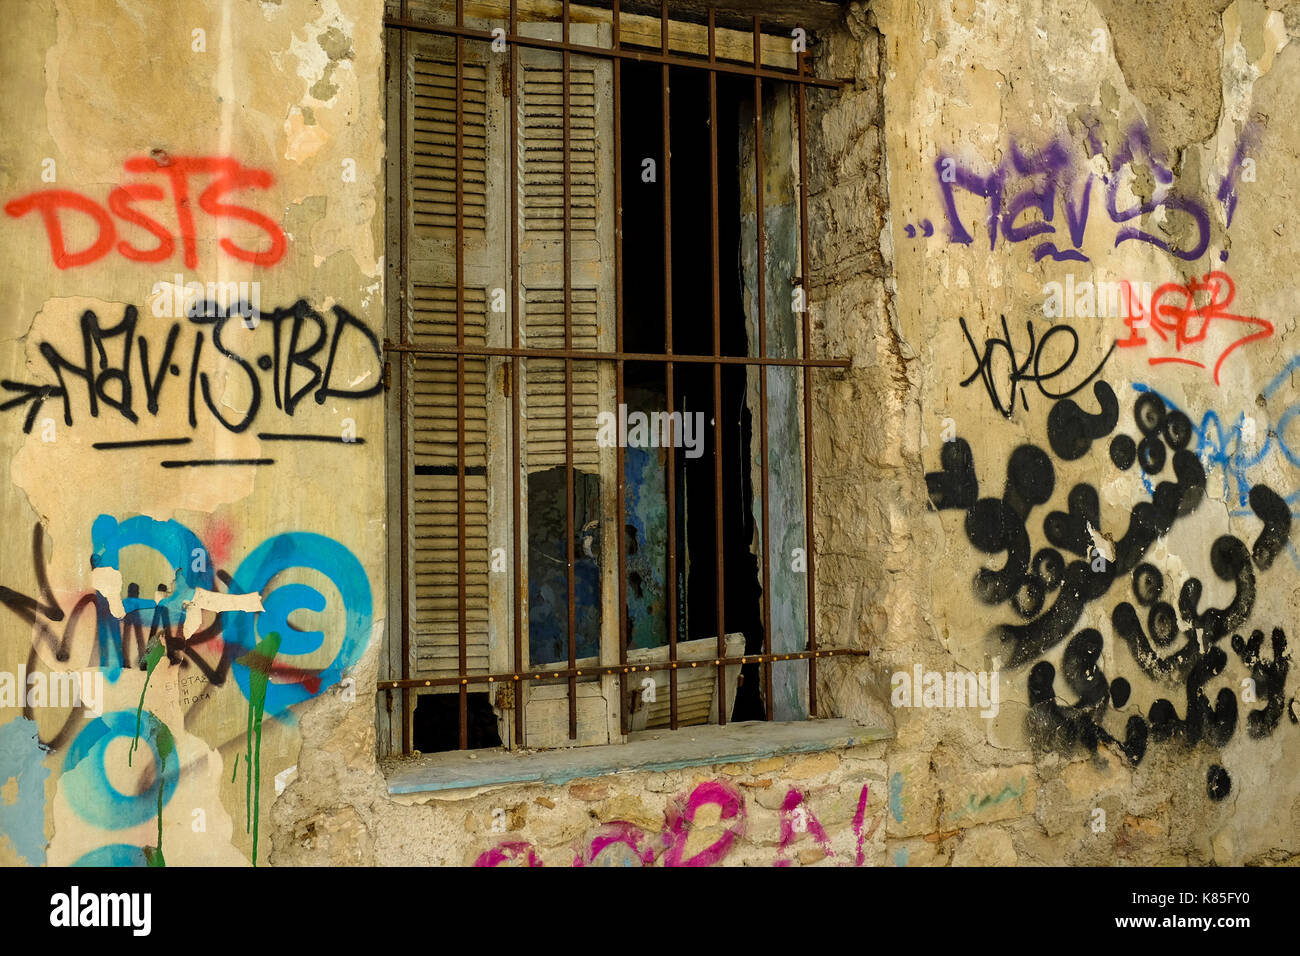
x=224, y=175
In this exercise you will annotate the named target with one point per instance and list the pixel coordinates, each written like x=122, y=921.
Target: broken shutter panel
x=433, y=146
x=435, y=536
x=541, y=158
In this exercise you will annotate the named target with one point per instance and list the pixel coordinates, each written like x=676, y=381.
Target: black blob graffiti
x=956, y=485
x=1214, y=724
x=1069, y=531
x=1151, y=454
x=1149, y=413
x=1162, y=623
x=1123, y=452
x=1271, y=509
x=1177, y=430
x=1148, y=582
x=1028, y=599
x=1081, y=671
x=1119, y=691
x=1030, y=480
x=1071, y=431
x=1172, y=639
x=1056, y=727
x=993, y=527
x=1231, y=562
x=1174, y=667
x=1269, y=678
x=1217, y=783
x=1049, y=567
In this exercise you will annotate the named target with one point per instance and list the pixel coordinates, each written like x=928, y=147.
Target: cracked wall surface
x=191, y=376
x=1054, y=241
x=1085, y=206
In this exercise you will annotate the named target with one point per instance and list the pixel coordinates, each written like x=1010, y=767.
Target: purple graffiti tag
x=951, y=174
x=792, y=810
x=506, y=853
x=677, y=824
x=1022, y=193
x=1049, y=162
x=1138, y=142
x=618, y=832
x=1228, y=188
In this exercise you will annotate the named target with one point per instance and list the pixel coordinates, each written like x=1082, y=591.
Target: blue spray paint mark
x=85, y=776
x=896, y=797
x=243, y=631
x=115, y=854
x=23, y=821
x=178, y=546
x=1223, y=449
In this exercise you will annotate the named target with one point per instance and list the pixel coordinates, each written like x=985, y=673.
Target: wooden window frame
x=435, y=322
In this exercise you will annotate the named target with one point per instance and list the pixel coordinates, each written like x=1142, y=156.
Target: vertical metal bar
x=762, y=351
x=460, y=376
x=804, y=283
x=621, y=520
x=403, y=200
x=568, y=380
x=720, y=581
x=671, y=477
x=515, y=379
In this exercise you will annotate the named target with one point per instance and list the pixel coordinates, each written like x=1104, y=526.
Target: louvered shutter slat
x=434, y=497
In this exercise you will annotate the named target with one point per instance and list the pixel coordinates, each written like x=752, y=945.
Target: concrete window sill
x=654, y=750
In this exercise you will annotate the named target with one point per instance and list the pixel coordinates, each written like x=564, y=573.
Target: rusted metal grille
x=550, y=360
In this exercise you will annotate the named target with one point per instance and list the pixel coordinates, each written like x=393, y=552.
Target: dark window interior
x=643, y=331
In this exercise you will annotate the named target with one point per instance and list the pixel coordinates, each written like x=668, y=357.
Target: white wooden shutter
x=435, y=536
x=433, y=551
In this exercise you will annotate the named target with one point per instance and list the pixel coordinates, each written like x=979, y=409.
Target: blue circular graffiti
x=300, y=549
x=88, y=788
x=175, y=542
x=115, y=854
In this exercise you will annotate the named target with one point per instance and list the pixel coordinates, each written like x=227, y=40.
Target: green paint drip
x=258, y=661
x=153, y=654
x=166, y=745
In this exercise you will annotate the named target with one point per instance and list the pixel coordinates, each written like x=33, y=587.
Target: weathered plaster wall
x=939, y=453
x=267, y=116
x=1079, y=143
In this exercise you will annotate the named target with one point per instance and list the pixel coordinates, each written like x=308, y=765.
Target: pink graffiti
x=791, y=811
x=860, y=818
x=679, y=818
x=506, y=853
x=618, y=832
x=678, y=823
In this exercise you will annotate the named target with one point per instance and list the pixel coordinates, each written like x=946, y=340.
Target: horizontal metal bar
x=550, y=673
x=450, y=351
x=623, y=52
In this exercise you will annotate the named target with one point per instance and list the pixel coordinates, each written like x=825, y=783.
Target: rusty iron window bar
x=460, y=81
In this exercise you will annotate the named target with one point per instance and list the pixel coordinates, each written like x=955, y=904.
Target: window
x=598, y=360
